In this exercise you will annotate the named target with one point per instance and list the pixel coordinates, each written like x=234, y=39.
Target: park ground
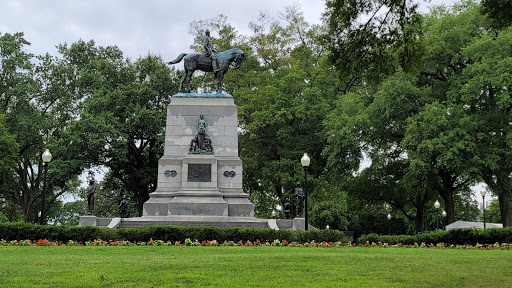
x=183, y=266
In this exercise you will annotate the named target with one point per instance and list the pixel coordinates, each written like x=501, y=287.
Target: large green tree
x=38, y=105
x=8, y=157
x=485, y=96
x=122, y=120
x=465, y=134
x=282, y=100
x=8, y=154
x=417, y=127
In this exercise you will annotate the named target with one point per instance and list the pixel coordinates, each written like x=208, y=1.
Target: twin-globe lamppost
x=437, y=205
x=305, y=163
x=47, y=157
x=483, y=192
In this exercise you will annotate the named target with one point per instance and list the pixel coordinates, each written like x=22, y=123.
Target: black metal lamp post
x=389, y=224
x=47, y=157
x=305, y=163
x=444, y=214
x=437, y=205
x=483, y=192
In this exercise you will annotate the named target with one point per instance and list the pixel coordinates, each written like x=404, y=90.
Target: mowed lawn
x=153, y=266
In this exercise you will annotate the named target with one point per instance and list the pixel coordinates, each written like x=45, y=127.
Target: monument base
x=88, y=220
x=182, y=220
x=198, y=204
x=187, y=220
x=299, y=223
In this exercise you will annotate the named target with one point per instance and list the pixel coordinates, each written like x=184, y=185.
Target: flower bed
x=275, y=243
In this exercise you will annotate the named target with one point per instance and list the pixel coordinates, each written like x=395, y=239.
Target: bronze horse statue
x=231, y=58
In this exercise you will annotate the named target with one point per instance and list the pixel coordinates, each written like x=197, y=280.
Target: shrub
x=451, y=237
x=19, y=231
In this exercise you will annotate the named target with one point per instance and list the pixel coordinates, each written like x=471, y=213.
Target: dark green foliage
x=363, y=223
x=500, y=12
x=369, y=39
x=282, y=96
x=451, y=237
x=22, y=231
x=430, y=134
x=17, y=230
x=175, y=233
x=492, y=212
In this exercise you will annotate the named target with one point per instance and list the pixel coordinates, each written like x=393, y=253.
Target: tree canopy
x=435, y=130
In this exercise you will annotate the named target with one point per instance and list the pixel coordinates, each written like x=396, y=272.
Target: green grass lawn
x=151, y=266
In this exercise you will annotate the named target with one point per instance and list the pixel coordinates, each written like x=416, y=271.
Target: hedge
x=450, y=237
x=26, y=231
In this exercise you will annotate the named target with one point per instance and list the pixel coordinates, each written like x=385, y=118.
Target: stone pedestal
x=299, y=223
x=87, y=220
x=200, y=184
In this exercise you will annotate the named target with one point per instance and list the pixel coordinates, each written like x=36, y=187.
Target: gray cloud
x=136, y=27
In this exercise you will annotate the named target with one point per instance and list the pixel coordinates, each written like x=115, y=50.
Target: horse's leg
x=188, y=79
x=183, y=79
x=220, y=77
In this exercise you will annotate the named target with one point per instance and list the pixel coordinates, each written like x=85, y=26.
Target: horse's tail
x=177, y=60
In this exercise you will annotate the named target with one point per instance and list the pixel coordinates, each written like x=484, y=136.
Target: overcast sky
x=137, y=27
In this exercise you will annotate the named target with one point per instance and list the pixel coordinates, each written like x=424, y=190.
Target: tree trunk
x=448, y=207
x=27, y=213
x=419, y=213
x=505, y=209
x=446, y=189
x=143, y=197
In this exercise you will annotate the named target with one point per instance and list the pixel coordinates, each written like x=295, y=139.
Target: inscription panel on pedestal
x=199, y=173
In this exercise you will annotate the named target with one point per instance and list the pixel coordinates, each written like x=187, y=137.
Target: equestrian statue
x=210, y=61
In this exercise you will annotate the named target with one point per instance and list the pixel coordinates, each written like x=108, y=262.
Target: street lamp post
x=305, y=163
x=274, y=214
x=437, y=205
x=483, y=192
x=389, y=224
x=444, y=214
x=47, y=157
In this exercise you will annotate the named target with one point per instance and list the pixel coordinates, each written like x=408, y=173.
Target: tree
x=328, y=206
x=492, y=213
x=281, y=121
x=38, y=108
x=420, y=130
x=69, y=213
x=122, y=119
x=8, y=154
x=485, y=91
x=367, y=40
x=8, y=160
x=16, y=82
x=372, y=124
